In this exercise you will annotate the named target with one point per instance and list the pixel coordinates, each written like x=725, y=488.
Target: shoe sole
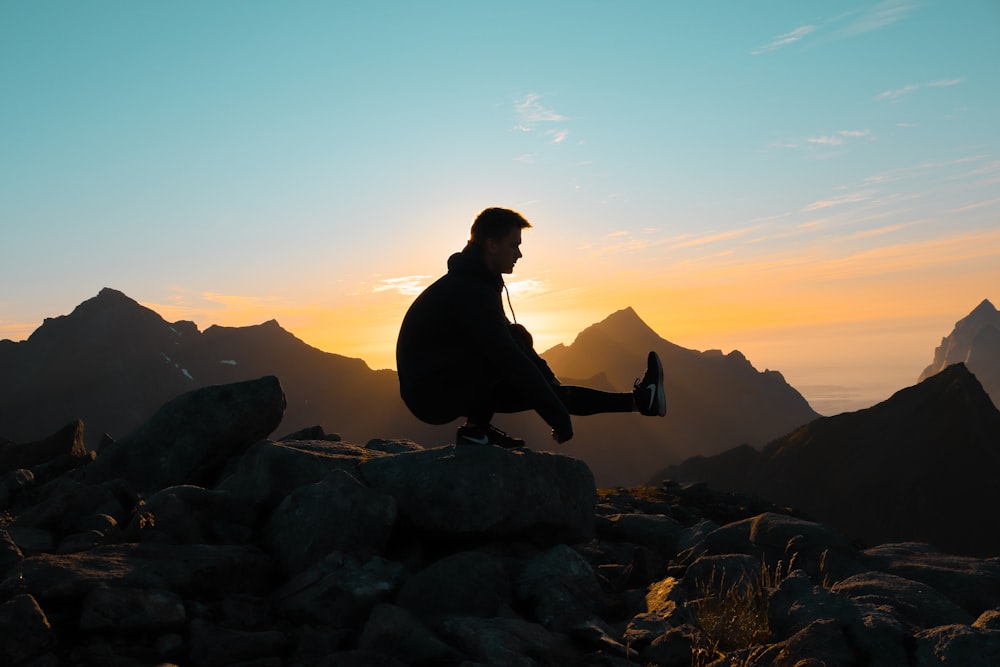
x=661, y=399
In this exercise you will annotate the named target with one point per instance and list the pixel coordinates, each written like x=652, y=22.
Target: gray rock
x=971, y=583
x=822, y=641
x=988, y=620
x=65, y=504
x=819, y=550
x=467, y=583
x=123, y=608
x=25, y=632
x=190, y=438
x=337, y=513
x=268, y=471
x=32, y=541
x=397, y=446
x=673, y=648
x=393, y=631
x=13, y=485
x=188, y=514
x=913, y=603
x=561, y=589
x=215, y=646
x=653, y=530
x=957, y=645
x=489, y=490
x=339, y=590
x=508, y=642
x=361, y=658
x=67, y=441
x=10, y=553
x=205, y=568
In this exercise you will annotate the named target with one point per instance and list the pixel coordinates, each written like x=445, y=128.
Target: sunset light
x=816, y=187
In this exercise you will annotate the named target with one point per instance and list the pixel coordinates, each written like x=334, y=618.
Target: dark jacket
x=456, y=332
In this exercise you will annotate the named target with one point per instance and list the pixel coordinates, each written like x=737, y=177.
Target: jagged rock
x=190, y=438
x=268, y=471
x=66, y=504
x=396, y=446
x=361, y=658
x=822, y=641
x=913, y=603
x=10, y=553
x=32, y=540
x=393, y=631
x=988, y=620
x=561, y=589
x=488, y=490
x=338, y=513
x=957, y=645
x=188, y=514
x=25, y=632
x=124, y=608
x=971, y=583
x=467, y=583
x=797, y=604
x=672, y=648
x=653, y=530
x=205, y=568
x=215, y=646
x=339, y=590
x=13, y=484
x=67, y=441
x=508, y=642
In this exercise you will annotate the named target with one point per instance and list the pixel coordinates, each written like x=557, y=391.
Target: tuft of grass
x=733, y=617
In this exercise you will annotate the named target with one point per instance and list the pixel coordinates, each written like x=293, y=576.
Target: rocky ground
x=196, y=541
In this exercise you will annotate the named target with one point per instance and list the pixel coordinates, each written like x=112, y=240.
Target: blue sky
x=815, y=184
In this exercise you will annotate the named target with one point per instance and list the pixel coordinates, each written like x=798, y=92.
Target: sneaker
x=648, y=391
x=486, y=435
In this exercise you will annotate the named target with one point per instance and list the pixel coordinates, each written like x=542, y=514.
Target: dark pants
x=444, y=398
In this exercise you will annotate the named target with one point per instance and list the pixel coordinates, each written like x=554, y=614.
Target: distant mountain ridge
x=112, y=362
x=714, y=401
x=920, y=466
x=975, y=342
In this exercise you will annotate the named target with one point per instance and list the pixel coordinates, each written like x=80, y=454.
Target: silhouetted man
x=458, y=356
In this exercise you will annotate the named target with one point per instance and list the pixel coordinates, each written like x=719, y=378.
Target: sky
x=815, y=184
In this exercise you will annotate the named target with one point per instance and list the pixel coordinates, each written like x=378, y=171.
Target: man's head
x=498, y=232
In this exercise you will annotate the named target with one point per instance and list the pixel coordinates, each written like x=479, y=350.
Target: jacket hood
x=472, y=261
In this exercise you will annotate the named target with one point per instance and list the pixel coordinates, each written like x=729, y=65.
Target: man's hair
x=496, y=223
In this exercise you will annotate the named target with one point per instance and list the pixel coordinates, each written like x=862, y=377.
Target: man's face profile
x=501, y=254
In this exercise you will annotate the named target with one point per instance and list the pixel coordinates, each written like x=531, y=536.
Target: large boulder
x=337, y=513
x=474, y=490
x=190, y=438
x=270, y=470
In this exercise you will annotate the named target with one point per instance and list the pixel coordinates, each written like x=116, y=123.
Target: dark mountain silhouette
x=975, y=341
x=112, y=362
x=714, y=401
x=919, y=466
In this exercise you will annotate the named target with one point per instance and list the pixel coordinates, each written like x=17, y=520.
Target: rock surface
x=200, y=543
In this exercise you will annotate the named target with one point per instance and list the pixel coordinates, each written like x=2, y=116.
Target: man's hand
x=562, y=436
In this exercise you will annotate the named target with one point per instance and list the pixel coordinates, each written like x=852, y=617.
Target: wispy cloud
x=897, y=93
x=850, y=198
x=785, y=39
x=714, y=238
x=880, y=16
x=532, y=115
x=406, y=285
x=839, y=138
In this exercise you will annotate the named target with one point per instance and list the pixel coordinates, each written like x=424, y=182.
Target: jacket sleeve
x=486, y=324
